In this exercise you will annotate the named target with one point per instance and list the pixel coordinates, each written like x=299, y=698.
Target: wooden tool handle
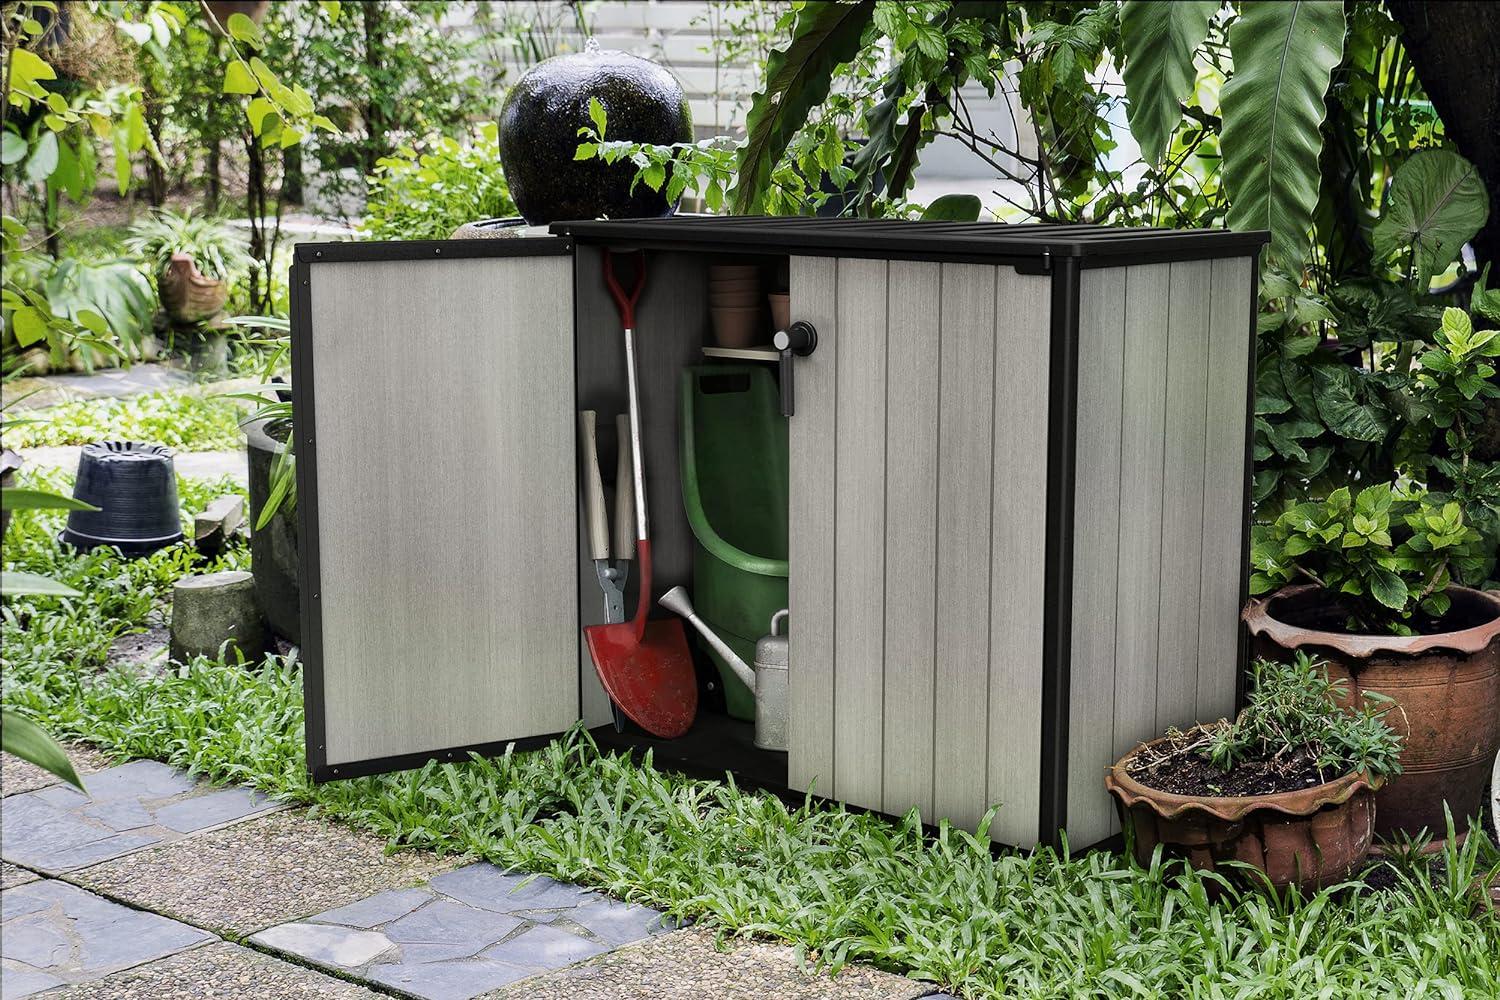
x=593, y=486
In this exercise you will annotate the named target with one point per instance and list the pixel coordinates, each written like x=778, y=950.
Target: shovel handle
x=593, y=486
x=624, y=541
x=623, y=300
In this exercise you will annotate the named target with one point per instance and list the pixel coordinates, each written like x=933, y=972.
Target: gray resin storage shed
x=1018, y=488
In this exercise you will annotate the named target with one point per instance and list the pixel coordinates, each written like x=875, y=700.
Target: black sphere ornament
x=539, y=136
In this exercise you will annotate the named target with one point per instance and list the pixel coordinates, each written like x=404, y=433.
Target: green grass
x=844, y=886
x=184, y=419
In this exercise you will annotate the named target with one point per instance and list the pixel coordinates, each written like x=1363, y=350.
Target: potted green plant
x=1287, y=787
x=193, y=259
x=1374, y=593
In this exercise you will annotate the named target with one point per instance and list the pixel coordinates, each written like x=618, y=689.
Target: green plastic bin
x=734, y=488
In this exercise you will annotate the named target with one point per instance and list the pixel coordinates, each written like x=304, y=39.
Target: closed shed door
x=918, y=479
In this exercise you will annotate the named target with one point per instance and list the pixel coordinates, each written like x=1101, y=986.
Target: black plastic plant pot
x=135, y=488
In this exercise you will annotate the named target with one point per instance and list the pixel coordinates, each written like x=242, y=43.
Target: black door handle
x=796, y=341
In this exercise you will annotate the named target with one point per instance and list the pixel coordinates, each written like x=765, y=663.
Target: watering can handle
x=778, y=620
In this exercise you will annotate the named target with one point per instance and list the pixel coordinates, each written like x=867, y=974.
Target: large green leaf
x=28, y=741
x=1436, y=204
x=1158, y=39
x=14, y=583
x=798, y=77
x=1273, y=106
x=1345, y=406
x=954, y=208
x=25, y=498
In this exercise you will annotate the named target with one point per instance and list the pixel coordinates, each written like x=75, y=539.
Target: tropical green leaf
x=1343, y=407
x=798, y=78
x=28, y=741
x=14, y=583
x=1436, y=204
x=1284, y=54
x=25, y=498
x=1159, y=39
x=954, y=208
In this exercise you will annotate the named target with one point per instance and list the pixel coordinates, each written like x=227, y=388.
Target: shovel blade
x=652, y=680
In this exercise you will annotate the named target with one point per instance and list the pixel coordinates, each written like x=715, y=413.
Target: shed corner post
x=1242, y=668
x=1057, y=619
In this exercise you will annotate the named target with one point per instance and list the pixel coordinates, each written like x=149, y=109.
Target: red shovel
x=644, y=666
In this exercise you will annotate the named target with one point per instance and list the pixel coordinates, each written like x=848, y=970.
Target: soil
x=1327, y=614
x=1184, y=772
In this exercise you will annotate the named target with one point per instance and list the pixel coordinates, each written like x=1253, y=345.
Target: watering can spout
x=676, y=600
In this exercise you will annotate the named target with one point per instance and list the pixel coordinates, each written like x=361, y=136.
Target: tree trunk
x=1455, y=49
x=215, y=185
x=291, y=174
x=374, y=111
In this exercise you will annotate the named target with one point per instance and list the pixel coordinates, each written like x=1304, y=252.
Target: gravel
x=13, y=875
x=688, y=966
x=217, y=970
x=17, y=775
x=246, y=877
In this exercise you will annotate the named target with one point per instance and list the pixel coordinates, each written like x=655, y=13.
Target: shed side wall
x=1163, y=355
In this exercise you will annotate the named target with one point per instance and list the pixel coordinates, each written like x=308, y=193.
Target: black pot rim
x=128, y=546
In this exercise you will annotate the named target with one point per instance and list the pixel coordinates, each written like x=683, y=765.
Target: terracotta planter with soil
x=1446, y=689
x=187, y=296
x=1310, y=837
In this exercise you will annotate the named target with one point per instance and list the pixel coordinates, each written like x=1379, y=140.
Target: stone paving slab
x=52, y=933
x=219, y=970
x=265, y=871
x=18, y=776
x=687, y=965
x=58, y=829
x=47, y=390
x=466, y=932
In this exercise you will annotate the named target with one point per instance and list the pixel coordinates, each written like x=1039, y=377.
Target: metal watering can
x=769, y=678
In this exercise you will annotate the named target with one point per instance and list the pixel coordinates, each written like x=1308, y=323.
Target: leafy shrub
x=1292, y=711
x=427, y=195
x=1386, y=557
x=187, y=421
x=218, y=250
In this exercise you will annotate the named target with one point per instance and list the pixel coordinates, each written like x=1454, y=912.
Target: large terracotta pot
x=1446, y=689
x=187, y=295
x=1310, y=838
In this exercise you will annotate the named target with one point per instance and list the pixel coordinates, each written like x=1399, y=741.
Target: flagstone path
x=155, y=885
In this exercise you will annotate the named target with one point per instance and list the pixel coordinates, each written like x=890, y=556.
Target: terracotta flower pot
x=1310, y=838
x=1446, y=689
x=738, y=326
x=187, y=295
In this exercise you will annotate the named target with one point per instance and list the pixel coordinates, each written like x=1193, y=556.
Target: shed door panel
x=439, y=495
x=918, y=452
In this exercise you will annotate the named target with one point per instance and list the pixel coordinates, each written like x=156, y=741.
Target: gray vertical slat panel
x=965, y=452
x=911, y=427
x=813, y=442
x=441, y=632
x=1224, y=485
x=1182, y=494
x=1096, y=524
x=1142, y=432
x=1023, y=307
x=672, y=317
x=859, y=533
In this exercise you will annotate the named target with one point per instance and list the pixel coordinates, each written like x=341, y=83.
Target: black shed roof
x=1033, y=243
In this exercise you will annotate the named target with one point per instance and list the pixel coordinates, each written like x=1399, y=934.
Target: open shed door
x=437, y=525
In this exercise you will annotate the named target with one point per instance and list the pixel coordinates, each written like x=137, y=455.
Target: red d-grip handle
x=625, y=303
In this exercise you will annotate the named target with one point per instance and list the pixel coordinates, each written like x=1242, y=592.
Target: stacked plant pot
x=737, y=303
